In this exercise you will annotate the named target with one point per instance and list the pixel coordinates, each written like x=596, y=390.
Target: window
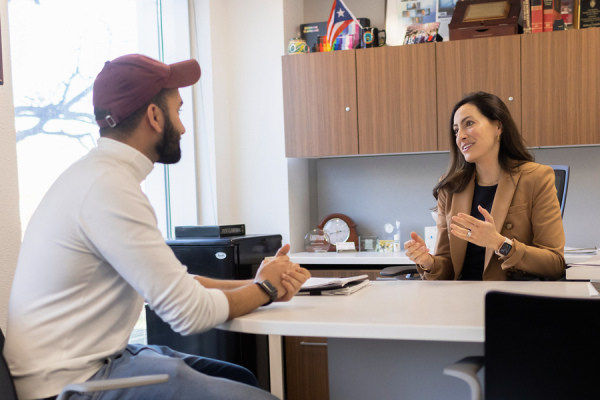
x=57, y=49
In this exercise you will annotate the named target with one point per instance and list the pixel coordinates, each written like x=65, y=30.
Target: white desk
x=393, y=339
x=376, y=258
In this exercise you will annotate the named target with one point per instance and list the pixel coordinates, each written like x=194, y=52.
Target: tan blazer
x=526, y=210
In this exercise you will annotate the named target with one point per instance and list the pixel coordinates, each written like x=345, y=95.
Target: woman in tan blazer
x=498, y=211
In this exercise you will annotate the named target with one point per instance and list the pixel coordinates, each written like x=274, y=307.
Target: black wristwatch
x=505, y=248
x=269, y=289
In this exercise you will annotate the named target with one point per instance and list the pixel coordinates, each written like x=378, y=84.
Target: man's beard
x=168, y=149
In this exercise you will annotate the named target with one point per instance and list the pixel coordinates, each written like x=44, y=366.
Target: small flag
x=339, y=18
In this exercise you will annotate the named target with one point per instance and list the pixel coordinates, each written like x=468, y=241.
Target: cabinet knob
x=511, y=98
x=347, y=108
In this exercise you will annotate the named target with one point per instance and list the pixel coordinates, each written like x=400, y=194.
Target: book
x=317, y=285
x=526, y=8
x=209, y=231
x=551, y=13
x=566, y=12
x=350, y=288
x=537, y=16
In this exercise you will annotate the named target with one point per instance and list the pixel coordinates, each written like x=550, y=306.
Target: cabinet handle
x=312, y=344
x=510, y=98
x=347, y=108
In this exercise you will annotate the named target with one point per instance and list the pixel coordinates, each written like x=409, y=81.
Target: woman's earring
x=498, y=138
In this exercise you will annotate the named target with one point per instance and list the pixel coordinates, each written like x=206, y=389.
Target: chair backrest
x=561, y=180
x=7, y=388
x=541, y=347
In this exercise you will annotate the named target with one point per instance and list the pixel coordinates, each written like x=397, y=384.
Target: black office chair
x=8, y=392
x=561, y=180
x=536, y=347
x=401, y=272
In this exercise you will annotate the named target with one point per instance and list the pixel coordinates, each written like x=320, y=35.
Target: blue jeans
x=190, y=377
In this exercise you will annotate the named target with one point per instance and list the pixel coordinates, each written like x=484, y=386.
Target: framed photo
x=421, y=33
x=400, y=14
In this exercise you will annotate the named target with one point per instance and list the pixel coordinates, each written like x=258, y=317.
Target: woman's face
x=476, y=136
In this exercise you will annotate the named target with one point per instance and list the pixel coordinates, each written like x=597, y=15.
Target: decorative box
x=484, y=18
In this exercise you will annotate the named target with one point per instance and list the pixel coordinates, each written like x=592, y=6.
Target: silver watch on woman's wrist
x=505, y=248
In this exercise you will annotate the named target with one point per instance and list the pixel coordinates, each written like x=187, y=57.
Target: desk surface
x=377, y=258
x=406, y=310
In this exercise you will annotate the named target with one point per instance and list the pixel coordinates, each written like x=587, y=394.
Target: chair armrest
x=110, y=384
x=466, y=369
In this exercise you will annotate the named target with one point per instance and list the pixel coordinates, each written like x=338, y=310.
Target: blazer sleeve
x=442, y=262
x=544, y=256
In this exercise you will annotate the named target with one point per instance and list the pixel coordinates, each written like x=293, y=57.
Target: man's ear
x=155, y=117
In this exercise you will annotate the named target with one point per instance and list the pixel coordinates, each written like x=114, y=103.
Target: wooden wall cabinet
x=400, y=98
x=319, y=100
x=491, y=65
x=396, y=99
x=561, y=87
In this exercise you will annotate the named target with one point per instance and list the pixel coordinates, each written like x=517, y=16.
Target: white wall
x=245, y=48
x=10, y=228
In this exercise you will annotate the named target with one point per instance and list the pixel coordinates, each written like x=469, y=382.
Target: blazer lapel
x=461, y=203
x=502, y=200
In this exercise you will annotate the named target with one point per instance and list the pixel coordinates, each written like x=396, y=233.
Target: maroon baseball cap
x=128, y=82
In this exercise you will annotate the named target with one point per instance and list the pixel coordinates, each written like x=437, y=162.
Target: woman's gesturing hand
x=418, y=252
x=481, y=233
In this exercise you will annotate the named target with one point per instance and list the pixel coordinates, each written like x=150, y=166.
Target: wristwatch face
x=505, y=248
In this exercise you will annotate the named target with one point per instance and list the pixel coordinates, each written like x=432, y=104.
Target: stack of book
x=554, y=15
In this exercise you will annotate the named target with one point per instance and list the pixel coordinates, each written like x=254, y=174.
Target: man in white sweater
x=92, y=254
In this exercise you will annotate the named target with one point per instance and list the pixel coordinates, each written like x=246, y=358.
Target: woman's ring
x=468, y=233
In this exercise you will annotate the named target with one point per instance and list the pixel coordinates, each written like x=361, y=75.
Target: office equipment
x=8, y=392
x=182, y=232
x=536, y=347
x=220, y=258
x=561, y=180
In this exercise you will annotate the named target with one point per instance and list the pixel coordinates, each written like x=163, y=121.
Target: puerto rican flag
x=339, y=18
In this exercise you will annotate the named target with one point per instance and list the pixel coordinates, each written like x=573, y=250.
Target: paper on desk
x=593, y=261
x=580, y=250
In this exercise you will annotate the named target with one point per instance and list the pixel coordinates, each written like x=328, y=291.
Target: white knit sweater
x=91, y=255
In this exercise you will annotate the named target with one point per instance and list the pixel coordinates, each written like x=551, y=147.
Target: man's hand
x=281, y=272
x=293, y=281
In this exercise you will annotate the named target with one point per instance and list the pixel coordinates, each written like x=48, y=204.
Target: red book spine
x=537, y=16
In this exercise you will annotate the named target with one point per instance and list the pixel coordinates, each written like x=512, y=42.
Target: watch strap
x=269, y=289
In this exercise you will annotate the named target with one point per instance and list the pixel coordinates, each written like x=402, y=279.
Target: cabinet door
x=489, y=64
x=306, y=373
x=396, y=99
x=319, y=99
x=561, y=87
